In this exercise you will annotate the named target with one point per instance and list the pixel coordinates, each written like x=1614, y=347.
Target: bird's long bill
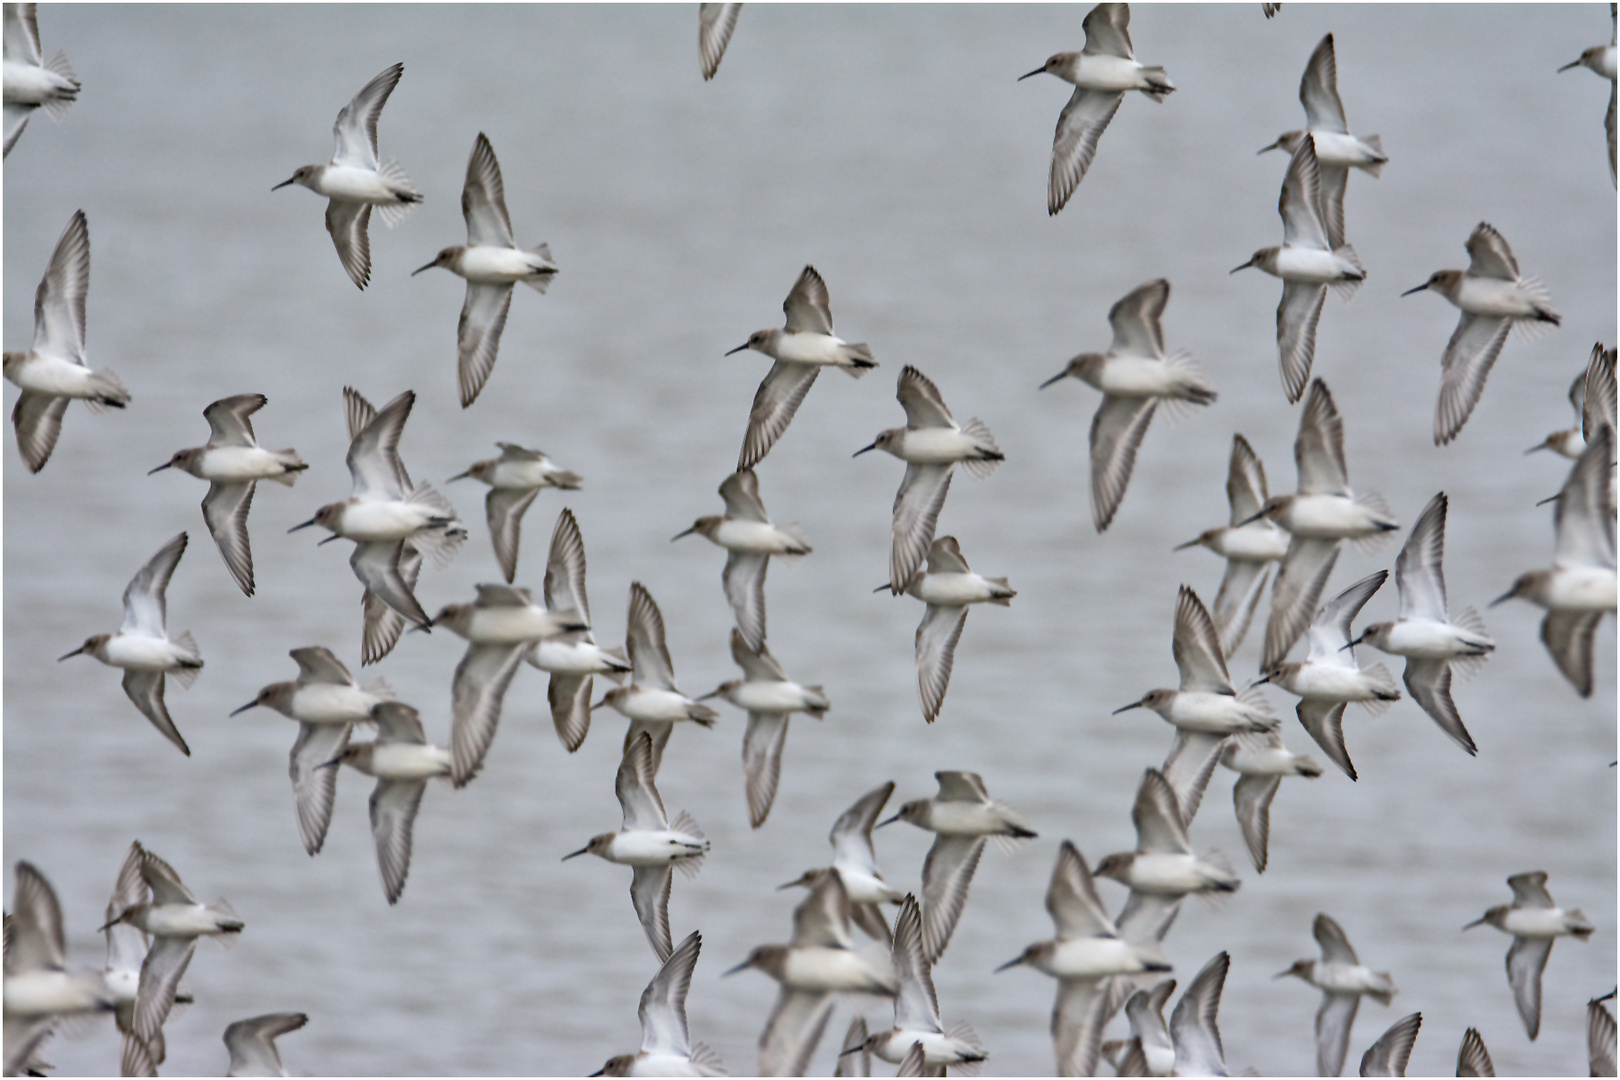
x=1126, y=708
x=250, y=705
x=1283, y=974
x=160, y=468
x=796, y=881
x=328, y=540
x=1014, y=962
x=1571, y=64
x=334, y=763
x=305, y=525
x=1278, y=145
x=688, y=532
x=1548, y=499
x=1504, y=598
x=75, y=652
x=712, y=693
x=1191, y=543
x=1239, y=525
x=864, y=449
x=459, y=476
x=1245, y=266
x=1038, y=71
x=1262, y=680
x=284, y=183
x=1420, y=288
x=890, y=821
x=1059, y=377
x=429, y=266
x=745, y=965
x=581, y=851
x=599, y=704
x=1353, y=643
x=738, y=349
x=883, y=586
x=1477, y=922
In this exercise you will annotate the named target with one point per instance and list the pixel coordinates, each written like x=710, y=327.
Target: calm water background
x=892, y=148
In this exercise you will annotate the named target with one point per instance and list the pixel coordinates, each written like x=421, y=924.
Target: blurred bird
x=963, y=817
x=30, y=83
x=1261, y=761
x=514, y=479
x=1472, y=1057
x=1535, y=922
x=1193, y=1028
x=652, y=702
x=1589, y=413
x=252, y=1043
x=1599, y=58
x=1101, y=74
x=916, y=1009
x=715, y=24
x=1163, y=868
x=770, y=698
x=326, y=702
x=1248, y=543
x=142, y=646
x=1149, y=1051
x=856, y=862
x=572, y=659
x=1390, y=1054
x=492, y=263
x=1343, y=980
x=1580, y=585
x=356, y=180
x=1134, y=376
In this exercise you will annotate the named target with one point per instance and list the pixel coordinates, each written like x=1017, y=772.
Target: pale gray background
x=892, y=148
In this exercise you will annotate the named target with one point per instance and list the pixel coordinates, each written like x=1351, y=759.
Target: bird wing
x=1137, y=320
x=1241, y=588
x=1298, y=313
x=225, y=510
x=1418, y=573
x=1116, y=433
x=476, y=695
x=160, y=976
x=1079, y=1015
x=355, y=133
x=807, y=307
x=1300, y=203
x=1189, y=765
x=1304, y=574
x=483, y=199
x=644, y=640
x=34, y=930
x=503, y=513
x=373, y=456
x=740, y=491
x=399, y=723
x=1246, y=490
x=822, y=918
x=663, y=1003
x=1489, y=254
x=779, y=395
x=1325, y=722
x=945, y=557
x=922, y=401
x=1072, y=900
x=957, y=786
x=715, y=24
x=393, y=818
x=1080, y=125
x=1330, y=631
x=21, y=38
x=59, y=301
x=317, y=664
x=744, y=582
x=1197, y=647
x=762, y=762
x=649, y=894
x=1160, y=828
x=1469, y=355
x=145, y=689
x=350, y=223
x=851, y=835
x=1584, y=513
x=1472, y=1057
x=570, y=699
x=1429, y=683
x=478, y=335
x=315, y=785
x=1193, y=1028
x=565, y=568
x=228, y=423
x=643, y=809
x=1319, y=90
x=379, y=568
x=1530, y=890
x=791, y=1033
x=947, y=875
x=145, y=609
x=1108, y=31
x=916, y=513
x=252, y=1043
x=1251, y=800
x=1319, y=446
x=38, y=420
x=937, y=635
x=916, y=1007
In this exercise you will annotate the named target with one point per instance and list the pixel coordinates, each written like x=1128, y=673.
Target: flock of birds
x=1102, y=964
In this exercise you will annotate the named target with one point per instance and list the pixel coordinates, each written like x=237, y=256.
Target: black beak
x=284, y=183
x=863, y=450
x=250, y=705
x=1038, y=71
x=1420, y=288
x=429, y=266
x=1059, y=377
x=160, y=468
x=305, y=525
x=738, y=349
x=1126, y=708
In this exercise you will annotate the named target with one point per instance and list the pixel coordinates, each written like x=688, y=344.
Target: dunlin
x=1424, y=633
x=1598, y=58
x=1580, y=585
x=1309, y=260
x=402, y=762
x=931, y=444
x=53, y=372
x=649, y=843
x=652, y=702
x=1101, y=74
x=142, y=646
x=514, y=479
x=1163, y=864
x=1134, y=375
x=947, y=586
x=1323, y=512
x=38, y=986
x=233, y=464
x=916, y=1006
x=770, y=699
x=804, y=346
x=1343, y=980
x=963, y=818
x=1329, y=677
x=30, y=83
x=666, y=1047
x=492, y=263
x=748, y=536
x=572, y=659
x=1248, y=543
x=1149, y=1051
x=356, y=180
x=326, y=702
x=1494, y=297
x=1261, y=761
x=1337, y=151
x=856, y=862
x=1535, y=922
x=1084, y=956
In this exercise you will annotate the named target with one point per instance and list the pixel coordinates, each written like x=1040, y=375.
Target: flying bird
x=31, y=83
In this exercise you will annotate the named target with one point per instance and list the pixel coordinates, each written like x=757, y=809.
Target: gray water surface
x=893, y=149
